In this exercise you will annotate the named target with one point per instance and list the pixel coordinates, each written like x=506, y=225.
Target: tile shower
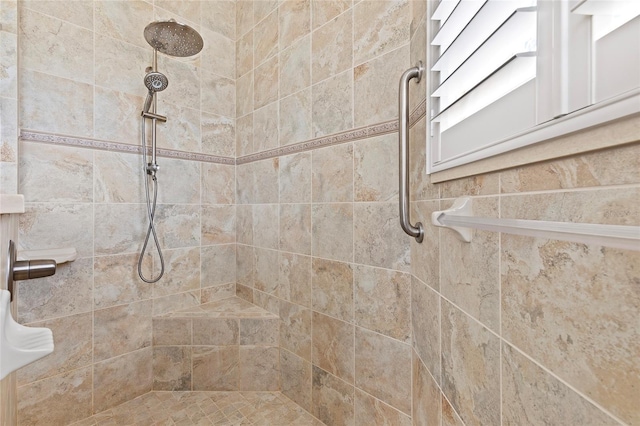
x=267, y=194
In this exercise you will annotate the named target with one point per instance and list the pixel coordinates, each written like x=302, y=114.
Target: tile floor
x=205, y=408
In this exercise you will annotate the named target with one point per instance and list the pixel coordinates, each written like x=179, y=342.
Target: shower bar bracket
x=460, y=219
x=153, y=116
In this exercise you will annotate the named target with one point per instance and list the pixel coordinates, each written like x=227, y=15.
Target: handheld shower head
x=155, y=82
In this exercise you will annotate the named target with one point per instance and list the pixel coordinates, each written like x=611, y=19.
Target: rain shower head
x=173, y=38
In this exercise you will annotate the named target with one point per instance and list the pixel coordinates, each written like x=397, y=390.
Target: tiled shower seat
x=225, y=345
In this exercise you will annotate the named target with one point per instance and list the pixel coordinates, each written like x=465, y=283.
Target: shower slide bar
x=460, y=219
x=416, y=72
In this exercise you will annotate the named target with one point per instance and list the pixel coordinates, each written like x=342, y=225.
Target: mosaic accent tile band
x=324, y=141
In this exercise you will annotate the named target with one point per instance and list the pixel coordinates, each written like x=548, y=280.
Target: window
x=509, y=73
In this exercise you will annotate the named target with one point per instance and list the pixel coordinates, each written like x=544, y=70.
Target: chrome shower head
x=155, y=81
x=172, y=38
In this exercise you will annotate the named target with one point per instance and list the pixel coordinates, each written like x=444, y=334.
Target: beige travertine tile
x=332, y=288
x=332, y=47
x=426, y=396
x=266, y=180
x=295, y=377
x=295, y=228
x=371, y=411
x=116, y=280
x=119, y=114
x=267, y=270
x=295, y=67
x=215, y=368
x=259, y=368
x=379, y=27
x=295, y=279
x=122, y=329
x=244, y=94
x=245, y=267
x=470, y=367
x=295, y=329
x=217, y=265
x=322, y=11
x=218, y=184
x=43, y=403
x=418, y=53
x=265, y=83
x=172, y=331
x=425, y=317
x=616, y=166
x=382, y=368
x=218, y=292
x=259, y=332
x=295, y=21
x=580, y=299
x=383, y=301
x=122, y=65
x=376, y=169
x=178, y=225
x=265, y=39
x=265, y=128
x=9, y=16
x=332, y=174
x=469, y=273
x=77, y=12
x=121, y=19
x=72, y=337
x=68, y=292
x=218, y=224
x=220, y=96
x=372, y=88
x=332, y=105
x=187, y=10
x=265, y=225
x=162, y=305
x=262, y=9
x=215, y=331
x=218, y=135
x=55, y=104
x=55, y=47
x=420, y=187
x=123, y=378
x=332, y=399
x=425, y=256
x=245, y=191
x=9, y=67
x=218, y=54
x=118, y=228
x=266, y=301
x=244, y=16
x=295, y=178
x=449, y=415
x=244, y=54
x=333, y=346
x=244, y=224
x=487, y=184
x=332, y=231
x=180, y=180
x=295, y=118
x=182, y=269
x=244, y=292
x=530, y=395
x=220, y=16
x=171, y=368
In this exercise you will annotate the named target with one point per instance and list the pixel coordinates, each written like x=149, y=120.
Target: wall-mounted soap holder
x=26, y=269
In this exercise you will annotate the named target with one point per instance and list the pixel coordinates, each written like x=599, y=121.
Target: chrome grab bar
x=416, y=72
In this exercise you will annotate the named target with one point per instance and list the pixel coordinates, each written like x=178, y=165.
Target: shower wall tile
x=373, y=88
x=244, y=54
x=383, y=301
x=76, y=12
x=295, y=67
x=265, y=180
x=332, y=174
x=265, y=83
x=332, y=49
x=182, y=269
x=449, y=415
x=218, y=224
x=332, y=231
x=262, y=9
x=244, y=16
x=265, y=226
x=182, y=131
x=185, y=9
x=530, y=395
x=323, y=11
x=332, y=108
x=244, y=224
x=116, y=280
x=418, y=91
x=425, y=256
x=172, y=331
x=119, y=228
x=175, y=302
x=117, y=115
x=391, y=18
x=220, y=96
x=121, y=20
x=218, y=292
x=260, y=331
x=296, y=379
x=121, y=379
x=332, y=400
x=9, y=131
x=372, y=411
x=218, y=183
x=295, y=118
x=260, y=368
x=265, y=127
x=9, y=16
x=265, y=40
x=122, y=329
x=42, y=402
x=476, y=185
x=184, y=185
x=49, y=173
x=245, y=275
x=295, y=20
x=172, y=368
x=266, y=271
x=215, y=368
x=73, y=348
x=220, y=16
x=244, y=135
x=333, y=349
x=55, y=47
x=332, y=284
x=217, y=265
x=295, y=329
x=218, y=54
x=295, y=228
x=121, y=65
x=117, y=177
x=9, y=65
x=376, y=169
x=295, y=178
x=420, y=188
x=381, y=368
x=425, y=317
x=215, y=332
x=54, y=104
x=53, y=225
x=294, y=282
x=426, y=396
x=244, y=94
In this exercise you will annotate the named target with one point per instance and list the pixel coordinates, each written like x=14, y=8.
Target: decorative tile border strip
x=324, y=141
x=50, y=138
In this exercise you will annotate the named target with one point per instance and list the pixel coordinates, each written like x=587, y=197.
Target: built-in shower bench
x=228, y=344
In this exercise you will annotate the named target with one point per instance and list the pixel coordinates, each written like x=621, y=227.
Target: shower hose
x=151, y=211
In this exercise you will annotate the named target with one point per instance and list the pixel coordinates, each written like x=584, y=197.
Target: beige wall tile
x=218, y=54
x=122, y=65
x=332, y=47
x=267, y=270
x=475, y=185
x=220, y=16
x=322, y=11
x=418, y=53
x=294, y=282
x=218, y=225
x=121, y=20
x=244, y=94
x=172, y=368
x=295, y=21
x=449, y=415
x=178, y=225
x=425, y=256
x=121, y=379
x=245, y=267
x=118, y=228
x=244, y=16
x=244, y=54
x=43, y=403
x=215, y=264
x=265, y=128
x=425, y=317
x=259, y=368
x=295, y=67
x=266, y=180
x=265, y=83
x=426, y=396
x=295, y=228
x=332, y=107
x=333, y=288
x=215, y=331
x=295, y=329
x=295, y=118
x=182, y=131
x=333, y=346
x=218, y=184
x=420, y=188
x=262, y=9
x=172, y=331
x=218, y=135
x=180, y=180
x=122, y=329
x=259, y=331
x=76, y=12
x=372, y=411
x=332, y=399
x=9, y=67
x=266, y=301
x=332, y=174
x=218, y=292
x=244, y=135
x=530, y=395
x=376, y=169
x=219, y=98
x=185, y=9
x=295, y=178
x=116, y=280
x=245, y=187
x=182, y=269
x=215, y=368
x=162, y=305
x=381, y=368
x=470, y=367
x=332, y=231
x=244, y=224
x=377, y=240
x=375, y=18
x=244, y=292
x=265, y=39
x=119, y=115
x=383, y=301
x=296, y=379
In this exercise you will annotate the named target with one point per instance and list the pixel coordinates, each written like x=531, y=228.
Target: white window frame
x=562, y=90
